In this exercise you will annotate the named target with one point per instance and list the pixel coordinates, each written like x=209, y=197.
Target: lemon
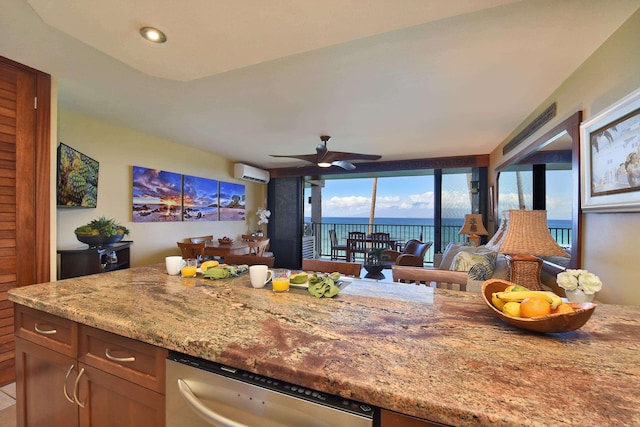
x=518, y=288
x=512, y=309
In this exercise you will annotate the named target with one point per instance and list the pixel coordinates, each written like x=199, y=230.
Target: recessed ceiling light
x=153, y=34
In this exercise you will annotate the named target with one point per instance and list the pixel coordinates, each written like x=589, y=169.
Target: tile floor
x=8, y=405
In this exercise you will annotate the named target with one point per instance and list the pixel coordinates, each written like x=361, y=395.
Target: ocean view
x=413, y=228
x=553, y=223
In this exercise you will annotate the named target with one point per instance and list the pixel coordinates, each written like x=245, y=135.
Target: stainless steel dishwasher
x=203, y=393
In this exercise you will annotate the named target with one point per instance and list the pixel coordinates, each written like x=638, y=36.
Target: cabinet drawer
x=50, y=331
x=126, y=358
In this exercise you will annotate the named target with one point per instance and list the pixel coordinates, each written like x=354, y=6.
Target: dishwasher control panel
x=330, y=400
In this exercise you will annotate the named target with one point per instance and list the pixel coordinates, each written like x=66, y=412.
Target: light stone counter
x=435, y=354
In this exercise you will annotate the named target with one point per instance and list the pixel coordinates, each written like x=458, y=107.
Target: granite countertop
x=435, y=354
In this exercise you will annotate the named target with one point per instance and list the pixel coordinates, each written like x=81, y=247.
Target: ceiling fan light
x=324, y=165
x=153, y=35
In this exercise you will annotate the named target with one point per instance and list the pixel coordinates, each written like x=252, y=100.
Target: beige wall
x=609, y=240
x=118, y=149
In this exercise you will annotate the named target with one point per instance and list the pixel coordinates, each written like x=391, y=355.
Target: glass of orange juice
x=190, y=268
x=280, y=280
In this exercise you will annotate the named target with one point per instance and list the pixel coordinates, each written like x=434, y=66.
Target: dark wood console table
x=85, y=260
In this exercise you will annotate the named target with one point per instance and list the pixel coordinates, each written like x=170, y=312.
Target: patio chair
x=356, y=244
x=320, y=266
x=412, y=254
x=335, y=246
x=380, y=240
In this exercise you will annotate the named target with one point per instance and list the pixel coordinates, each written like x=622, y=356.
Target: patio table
x=393, y=241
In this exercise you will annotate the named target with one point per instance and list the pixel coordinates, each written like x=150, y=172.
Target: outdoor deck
x=404, y=233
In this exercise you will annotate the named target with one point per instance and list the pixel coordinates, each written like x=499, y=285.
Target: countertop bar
x=434, y=354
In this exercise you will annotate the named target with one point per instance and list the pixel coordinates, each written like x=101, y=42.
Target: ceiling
x=403, y=79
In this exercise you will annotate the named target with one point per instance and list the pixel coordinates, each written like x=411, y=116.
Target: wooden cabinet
x=84, y=261
x=42, y=377
x=75, y=375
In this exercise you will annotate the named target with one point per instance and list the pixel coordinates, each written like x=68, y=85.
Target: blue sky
x=412, y=197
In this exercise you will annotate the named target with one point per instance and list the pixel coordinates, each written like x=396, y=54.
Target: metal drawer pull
x=118, y=359
x=75, y=389
x=201, y=409
x=43, y=332
x=64, y=388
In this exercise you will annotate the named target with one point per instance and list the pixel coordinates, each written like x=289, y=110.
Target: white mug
x=259, y=275
x=174, y=264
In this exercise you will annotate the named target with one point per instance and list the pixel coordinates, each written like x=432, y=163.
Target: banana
x=553, y=299
x=208, y=264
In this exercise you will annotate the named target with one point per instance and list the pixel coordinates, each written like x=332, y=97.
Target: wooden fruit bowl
x=225, y=241
x=552, y=323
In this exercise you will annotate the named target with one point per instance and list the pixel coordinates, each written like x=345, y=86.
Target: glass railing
x=402, y=234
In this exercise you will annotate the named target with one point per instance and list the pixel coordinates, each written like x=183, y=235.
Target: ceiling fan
x=325, y=158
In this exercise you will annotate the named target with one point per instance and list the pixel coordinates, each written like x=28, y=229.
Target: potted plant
x=101, y=232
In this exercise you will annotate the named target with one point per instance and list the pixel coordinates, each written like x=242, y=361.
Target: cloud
x=411, y=206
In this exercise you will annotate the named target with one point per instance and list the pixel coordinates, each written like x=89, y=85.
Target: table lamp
x=473, y=228
x=528, y=237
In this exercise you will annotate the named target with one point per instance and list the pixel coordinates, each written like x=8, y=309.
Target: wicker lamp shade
x=527, y=234
x=474, y=228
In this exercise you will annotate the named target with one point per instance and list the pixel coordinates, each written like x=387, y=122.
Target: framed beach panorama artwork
x=199, y=199
x=232, y=201
x=157, y=195
x=610, y=158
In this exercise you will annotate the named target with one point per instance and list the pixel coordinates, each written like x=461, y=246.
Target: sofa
x=467, y=267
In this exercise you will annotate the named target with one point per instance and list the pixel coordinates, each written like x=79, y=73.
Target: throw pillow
x=463, y=261
x=449, y=253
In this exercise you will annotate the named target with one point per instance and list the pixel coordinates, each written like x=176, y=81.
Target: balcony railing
x=404, y=233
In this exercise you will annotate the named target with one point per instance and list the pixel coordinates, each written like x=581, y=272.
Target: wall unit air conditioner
x=249, y=173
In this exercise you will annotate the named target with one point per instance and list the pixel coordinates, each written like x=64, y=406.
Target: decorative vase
x=578, y=295
x=99, y=241
x=374, y=271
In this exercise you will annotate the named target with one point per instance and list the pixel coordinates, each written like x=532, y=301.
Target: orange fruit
x=563, y=308
x=532, y=307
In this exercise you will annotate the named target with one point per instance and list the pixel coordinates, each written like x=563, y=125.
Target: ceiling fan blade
x=324, y=157
x=306, y=157
x=333, y=156
x=344, y=164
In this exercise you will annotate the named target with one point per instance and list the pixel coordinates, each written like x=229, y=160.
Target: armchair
x=412, y=254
